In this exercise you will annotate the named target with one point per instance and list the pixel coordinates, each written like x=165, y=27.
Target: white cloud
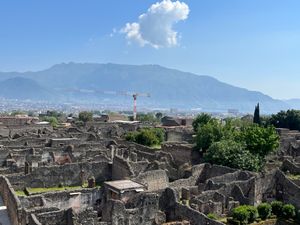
x=155, y=27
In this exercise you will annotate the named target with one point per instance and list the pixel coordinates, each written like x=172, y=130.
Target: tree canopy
x=85, y=116
x=239, y=147
x=200, y=120
x=286, y=119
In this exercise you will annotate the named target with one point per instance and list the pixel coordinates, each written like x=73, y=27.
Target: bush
x=277, y=208
x=288, y=211
x=241, y=214
x=147, y=136
x=264, y=210
x=212, y=216
x=85, y=116
x=298, y=216
x=253, y=213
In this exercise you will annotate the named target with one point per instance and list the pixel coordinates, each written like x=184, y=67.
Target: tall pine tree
x=256, y=118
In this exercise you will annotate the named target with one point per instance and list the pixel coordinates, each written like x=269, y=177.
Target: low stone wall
x=10, y=200
x=53, y=218
x=291, y=167
x=183, y=212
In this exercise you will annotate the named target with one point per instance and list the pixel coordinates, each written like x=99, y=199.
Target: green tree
x=201, y=120
x=256, y=118
x=286, y=119
x=85, y=116
x=158, y=116
x=259, y=140
x=51, y=119
x=232, y=154
x=207, y=134
x=147, y=136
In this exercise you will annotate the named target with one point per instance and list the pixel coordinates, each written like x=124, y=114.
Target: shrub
x=85, y=116
x=212, y=216
x=277, y=208
x=298, y=216
x=147, y=136
x=253, y=213
x=288, y=211
x=264, y=210
x=241, y=214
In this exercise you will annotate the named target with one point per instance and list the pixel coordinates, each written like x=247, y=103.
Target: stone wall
x=182, y=212
x=287, y=191
x=181, y=153
x=154, y=180
x=66, y=175
x=10, y=200
x=143, y=211
x=53, y=218
x=121, y=169
x=293, y=168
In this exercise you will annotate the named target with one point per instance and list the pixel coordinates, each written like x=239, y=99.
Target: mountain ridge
x=168, y=87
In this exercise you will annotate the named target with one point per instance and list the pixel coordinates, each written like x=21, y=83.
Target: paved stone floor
x=4, y=219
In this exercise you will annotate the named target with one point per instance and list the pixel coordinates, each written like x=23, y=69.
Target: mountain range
x=168, y=88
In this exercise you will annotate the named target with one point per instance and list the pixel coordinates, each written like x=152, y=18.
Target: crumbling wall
x=287, y=190
x=72, y=174
x=183, y=212
x=121, y=169
x=10, y=200
x=181, y=153
x=154, y=180
x=287, y=165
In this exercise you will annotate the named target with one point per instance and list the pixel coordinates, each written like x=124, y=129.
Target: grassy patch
x=294, y=177
x=50, y=189
x=156, y=147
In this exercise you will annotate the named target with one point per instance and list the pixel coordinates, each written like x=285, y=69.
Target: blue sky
x=253, y=44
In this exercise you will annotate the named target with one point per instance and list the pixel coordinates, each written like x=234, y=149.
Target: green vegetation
x=244, y=147
x=232, y=154
x=200, y=120
x=51, y=119
x=149, y=117
x=277, y=208
x=241, y=214
x=260, y=141
x=152, y=137
x=51, y=189
x=288, y=211
x=256, y=118
x=212, y=216
x=247, y=214
x=85, y=116
x=286, y=119
x=264, y=210
x=294, y=177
